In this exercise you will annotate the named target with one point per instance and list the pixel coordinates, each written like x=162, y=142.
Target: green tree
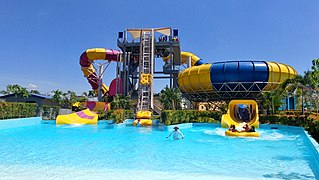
x=68, y=99
x=170, y=98
x=92, y=93
x=313, y=83
x=85, y=94
x=300, y=86
x=305, y=88
x=115, y=104
x=35, y=92
x=57, y=96
x=17, y=90
x=272, y=100
x=121, y=102
x=82, y=98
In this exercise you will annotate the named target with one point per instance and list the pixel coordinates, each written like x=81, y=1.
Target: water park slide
x=81, y=117
x=242, y=134
x=209, y=77
x=93, y=106
x=240, y=77
x=86, y=60
x=232, y=118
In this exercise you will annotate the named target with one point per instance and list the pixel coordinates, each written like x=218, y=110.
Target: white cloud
x=32, y=86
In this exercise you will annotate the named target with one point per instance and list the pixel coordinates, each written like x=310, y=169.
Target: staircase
x=158, y=107
x=145, y=85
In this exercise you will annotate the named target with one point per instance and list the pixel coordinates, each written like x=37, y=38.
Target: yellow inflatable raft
x=242, y=134
x=143, y=122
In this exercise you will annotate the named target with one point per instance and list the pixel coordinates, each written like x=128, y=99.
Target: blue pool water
x=46, y=151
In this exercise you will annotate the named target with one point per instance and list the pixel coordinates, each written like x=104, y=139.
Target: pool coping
x=312, y=140
x=19, y=122
x=315, y=150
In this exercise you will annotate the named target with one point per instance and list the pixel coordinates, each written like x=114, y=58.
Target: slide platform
x=81, y=117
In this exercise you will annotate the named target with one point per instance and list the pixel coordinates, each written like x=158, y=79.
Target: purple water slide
x=93, y=79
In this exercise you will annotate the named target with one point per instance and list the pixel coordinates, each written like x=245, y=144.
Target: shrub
x=49, y=112
x=17, y=110
x=120, y=115
x=189, y=116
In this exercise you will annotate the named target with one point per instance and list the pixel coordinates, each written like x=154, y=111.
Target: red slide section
x=88, y=57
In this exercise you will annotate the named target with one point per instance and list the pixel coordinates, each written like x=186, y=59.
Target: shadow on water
x=285, y=158
x=293, y=175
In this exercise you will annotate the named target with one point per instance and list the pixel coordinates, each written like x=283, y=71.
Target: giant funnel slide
x=232, y=78
x=210, y=77
x=86, y=60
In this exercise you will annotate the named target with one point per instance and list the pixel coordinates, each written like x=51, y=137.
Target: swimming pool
x=46, y=151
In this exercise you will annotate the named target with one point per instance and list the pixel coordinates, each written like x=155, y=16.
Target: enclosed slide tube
x=240, y=112
x=86, y=60
x=239, y=77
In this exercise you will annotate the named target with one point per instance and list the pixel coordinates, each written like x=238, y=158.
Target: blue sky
x=41, y=40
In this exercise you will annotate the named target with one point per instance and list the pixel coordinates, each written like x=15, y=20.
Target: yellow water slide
x=81, y=117
x=86, y=60
x=232, y=80
x=240, y=112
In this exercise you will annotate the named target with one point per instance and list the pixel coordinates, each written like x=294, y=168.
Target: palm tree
x=313, y=74
x=35, y=92
x=57, y=96
x=296, y=85
x=313, y=80
x=92, y=93
x=165, y=98
x=85, y=94
x=301, y=86
x=170, y=98
x=272, y=100
x=121, y=102
x=17, y=90
x=69, y=98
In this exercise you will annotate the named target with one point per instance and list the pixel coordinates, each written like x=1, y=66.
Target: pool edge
x=20, y=122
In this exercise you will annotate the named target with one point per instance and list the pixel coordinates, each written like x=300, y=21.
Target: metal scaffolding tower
x=140, y=49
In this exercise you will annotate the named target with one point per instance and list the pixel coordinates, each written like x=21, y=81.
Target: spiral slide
x=86, y=60
x=238, y=79
x=92, y=105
